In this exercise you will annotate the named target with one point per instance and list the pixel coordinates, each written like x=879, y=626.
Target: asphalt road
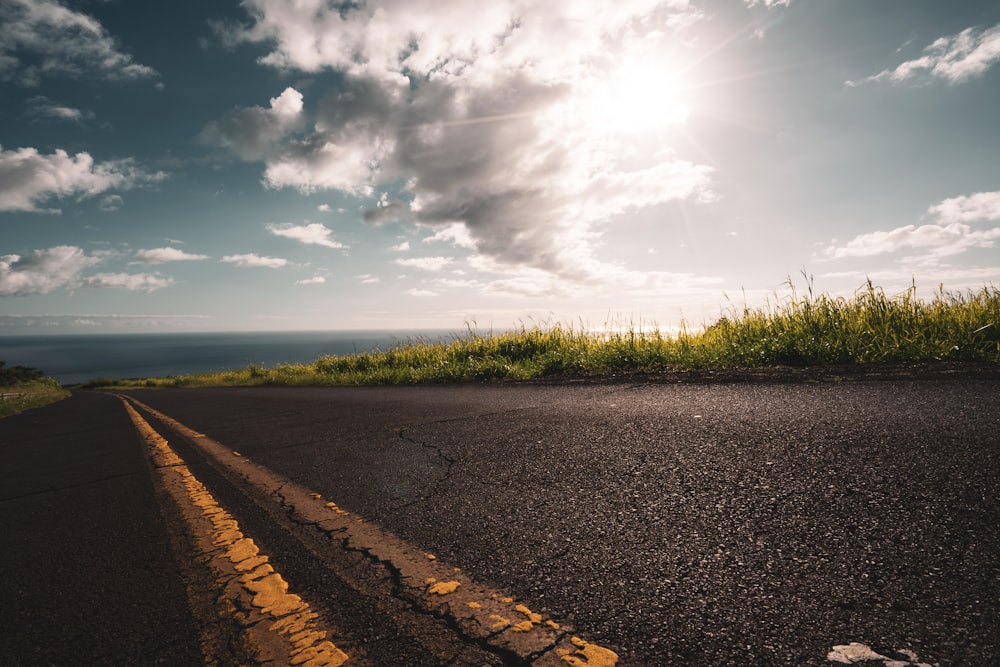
x=88, y=573
x=678, y=524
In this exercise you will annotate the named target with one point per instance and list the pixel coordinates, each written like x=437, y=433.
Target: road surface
x=671, y=524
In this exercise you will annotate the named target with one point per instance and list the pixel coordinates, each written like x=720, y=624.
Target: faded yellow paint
x=241, y=550
x=444, y=587
x=258, y=572
x=249, y=563
x=532, y=616
x=588, y=655
x=300, y=626
x=272, y=596
x=292, y=616
x=501, y=622
x=321, y=655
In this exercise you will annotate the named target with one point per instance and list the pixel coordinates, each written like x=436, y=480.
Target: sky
x=218, y=165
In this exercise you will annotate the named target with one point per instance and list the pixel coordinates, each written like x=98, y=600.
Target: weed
x=798, y=330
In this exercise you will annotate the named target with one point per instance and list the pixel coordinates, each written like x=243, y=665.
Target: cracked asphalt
x=698, y=523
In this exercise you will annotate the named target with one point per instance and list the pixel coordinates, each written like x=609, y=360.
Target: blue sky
x=268, y=165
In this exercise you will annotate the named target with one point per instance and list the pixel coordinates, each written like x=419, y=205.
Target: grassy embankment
x=22, y=388
x=806, y=330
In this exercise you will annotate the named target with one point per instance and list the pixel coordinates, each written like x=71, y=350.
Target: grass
x=18, y=397
x=798, y=330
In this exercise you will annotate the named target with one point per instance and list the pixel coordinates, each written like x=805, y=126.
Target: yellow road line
x=282, y=622
x=483, y=614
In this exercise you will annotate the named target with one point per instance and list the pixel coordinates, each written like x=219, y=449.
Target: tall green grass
x=798, y=330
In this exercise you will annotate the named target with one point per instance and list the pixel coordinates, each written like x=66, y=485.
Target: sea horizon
x=73, y=358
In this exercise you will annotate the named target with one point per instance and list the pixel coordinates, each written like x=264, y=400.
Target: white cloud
x=323, y=208
x=420, y=292
x=43, y=271
x=426, y=263
x=314, y=234
x=44, y=37
x=368, y=279
x=28, y=178
x=949, y=236
x=134, y=282
x=250, y=260
x=476, y=110
x=455, y=233
x=937, y=240
x=768, y=3
x=315, y=280
x=401, y=247
x=160, y=255
x=955, y=59
x=971, y=208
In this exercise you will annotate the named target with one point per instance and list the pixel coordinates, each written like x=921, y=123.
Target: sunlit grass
x=797, y=330
x=15, y=398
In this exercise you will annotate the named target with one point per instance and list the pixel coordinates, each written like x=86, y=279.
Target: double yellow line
x=293, y=633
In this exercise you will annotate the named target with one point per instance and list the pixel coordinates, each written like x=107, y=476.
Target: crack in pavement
x=478, y=616
x=435, y=487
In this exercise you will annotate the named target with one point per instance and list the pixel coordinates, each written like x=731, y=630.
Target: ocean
x=75, y=358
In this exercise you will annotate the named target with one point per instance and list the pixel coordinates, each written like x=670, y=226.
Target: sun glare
x=640, y=97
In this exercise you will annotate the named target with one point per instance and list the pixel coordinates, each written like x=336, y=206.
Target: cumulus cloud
x=426, y=263
x=315, y=280
x=44, y=271
x=768, y=3
x=250, y=261
x=401, y=247
x=951, y=235
x=971, y=208
x=40, y=38
x=519, y=122
x=29, y=178
x=368, y=279
x=311, y=234
x=161, y=255
x=416, y=291
x=254, y=133
x=955, y=59
x=456, y=234
x=936, y=240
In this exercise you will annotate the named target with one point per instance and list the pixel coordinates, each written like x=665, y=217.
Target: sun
x=638, y=97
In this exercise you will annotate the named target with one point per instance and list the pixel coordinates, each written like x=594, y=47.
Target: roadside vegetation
x=22, y=388
x=799, y=330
